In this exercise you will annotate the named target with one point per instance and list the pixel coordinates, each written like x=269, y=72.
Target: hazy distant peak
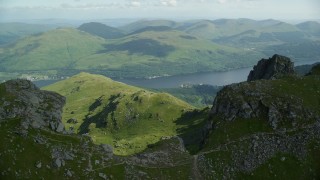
x=101, y=30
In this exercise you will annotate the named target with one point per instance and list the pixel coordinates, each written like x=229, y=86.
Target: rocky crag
x=272, y=68
x=263, y=98
x=261, y=126
x=38, y=109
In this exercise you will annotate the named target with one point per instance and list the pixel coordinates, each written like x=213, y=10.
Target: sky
x=166, y=9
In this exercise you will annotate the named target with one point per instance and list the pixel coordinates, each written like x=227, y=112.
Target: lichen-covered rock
x=37, y=108
x=272, y=68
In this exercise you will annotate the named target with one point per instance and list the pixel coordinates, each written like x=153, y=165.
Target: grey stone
x=69, y=156
x=31, y=104
x=69, y=173
x=38, y=165
x=60, y=127
x=103, y=176
x=107, y=148
x=58, y=163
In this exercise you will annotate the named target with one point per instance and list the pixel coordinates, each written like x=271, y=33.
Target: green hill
x=154, y=53
x=101, y=30
x=132, y=27
x=148, y=53
x=52, y=50
x=114, y=113
x=10, y=32
x=156, y=48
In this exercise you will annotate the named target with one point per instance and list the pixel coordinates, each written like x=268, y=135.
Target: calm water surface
x=212, y=78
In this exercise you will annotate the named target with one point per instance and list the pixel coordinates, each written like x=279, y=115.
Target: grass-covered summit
x=114, y=113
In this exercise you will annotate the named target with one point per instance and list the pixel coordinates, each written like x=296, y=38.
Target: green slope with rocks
x=265, y=129
x=114, y=113
x=262, y=129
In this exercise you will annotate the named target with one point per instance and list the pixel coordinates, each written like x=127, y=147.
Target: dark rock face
x=37, y=108
x=255, y=100
x=272, y=68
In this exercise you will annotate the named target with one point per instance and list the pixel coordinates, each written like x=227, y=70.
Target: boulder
x=72, y=121
x=58, y=163
x=108, y=149
x=272, y=68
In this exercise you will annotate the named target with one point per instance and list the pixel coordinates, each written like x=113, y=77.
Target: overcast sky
x=169, y=9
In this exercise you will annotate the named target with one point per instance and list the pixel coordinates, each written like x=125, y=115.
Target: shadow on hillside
x=100, y=119
x=194, y=129
x=141, y=46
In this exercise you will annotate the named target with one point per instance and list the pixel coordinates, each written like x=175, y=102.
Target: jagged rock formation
x=37, y=108
x=272, y=68
x=264, y=99
x=264, y=129
x=258, y=100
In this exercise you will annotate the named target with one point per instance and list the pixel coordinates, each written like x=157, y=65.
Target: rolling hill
x=151, y=48
x=127, y=117
x=262, y=129
x=311, y=27
x=52, y=50
x=150, y=52
x=132, y=27
x=10, y=32
x=101, y=30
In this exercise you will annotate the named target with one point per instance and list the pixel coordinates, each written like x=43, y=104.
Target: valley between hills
x=265, y=128
x=89, y=126
x=150, y=48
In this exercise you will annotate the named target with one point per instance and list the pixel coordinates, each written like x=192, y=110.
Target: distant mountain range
x=157, y=47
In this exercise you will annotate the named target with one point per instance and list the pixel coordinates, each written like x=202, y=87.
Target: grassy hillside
x=10, y=32
x=150, y=52
x=101, y=30
x=158, y=48
x=56, y=49
x=197, y=95
x=170, y=52
x=127, y=117
x=36, y=156
x=135, y=120
x=132, y=27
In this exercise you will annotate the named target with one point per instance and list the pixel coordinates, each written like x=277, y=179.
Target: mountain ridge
x=278, y=138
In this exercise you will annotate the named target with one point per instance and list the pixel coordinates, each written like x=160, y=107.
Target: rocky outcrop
x=36, y=108
x=272, y=68
x=256, y=100
x=265, y=99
